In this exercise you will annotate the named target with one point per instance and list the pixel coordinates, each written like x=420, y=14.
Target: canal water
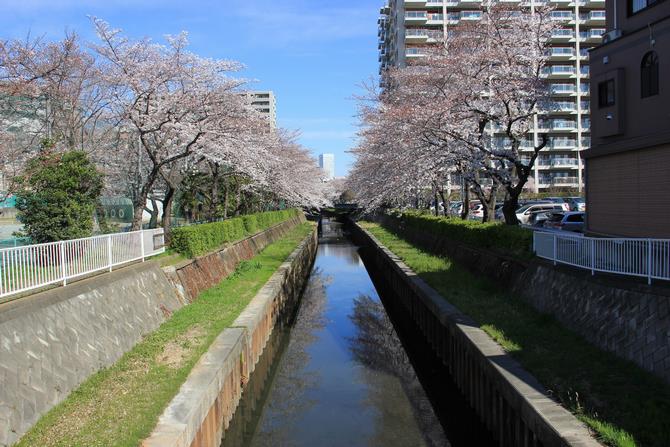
x=335, y=372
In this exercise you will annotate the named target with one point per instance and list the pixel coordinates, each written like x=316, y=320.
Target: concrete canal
x=343, y=369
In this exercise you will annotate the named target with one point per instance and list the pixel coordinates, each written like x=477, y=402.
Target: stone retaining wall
x=52, y=341
x=206, y=402
x=617, y=314
x=512, y=404
x=194, y=276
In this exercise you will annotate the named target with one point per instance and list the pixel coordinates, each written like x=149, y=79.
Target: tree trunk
x=214, y=202
x=166, y=220
x=509, y=209
x=465, y=210
x=153, y=221
x=445, y=201
x=140, y=201
x=225, y=201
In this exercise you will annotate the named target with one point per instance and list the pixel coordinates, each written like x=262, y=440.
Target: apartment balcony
x=558, y=71
x=434, y=3
x=469, y=3
x=564, y=181
x=594, y=35
x=413, y=35
x=562, y=16
x=562, y=35
x=453, y=18
x=414, y=53
x=563, y=107
x=596, y=17
x=563, y=126
x=471, y=15
x=563, y=144
x=435, y=19
x=563, y=89
x=416, y=17
x=565, y=163
x=595, y=3
x=561, y=53
x=415, y=3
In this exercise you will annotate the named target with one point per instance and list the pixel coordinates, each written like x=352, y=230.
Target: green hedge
x=196, y=240
x=505, y=239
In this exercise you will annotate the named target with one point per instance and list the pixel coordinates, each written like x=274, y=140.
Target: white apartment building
x=327, y=165
x=406, y=27
x=265, y=103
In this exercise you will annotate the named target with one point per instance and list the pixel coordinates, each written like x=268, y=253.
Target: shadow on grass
x=622, y=403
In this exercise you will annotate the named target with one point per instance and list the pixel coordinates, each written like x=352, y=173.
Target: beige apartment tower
x=407, y=27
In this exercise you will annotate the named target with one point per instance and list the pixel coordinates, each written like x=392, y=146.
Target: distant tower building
x=327, y=164
x=265, y=103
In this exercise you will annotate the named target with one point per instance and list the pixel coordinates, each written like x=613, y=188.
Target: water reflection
x=339, y=377
x=377, y=346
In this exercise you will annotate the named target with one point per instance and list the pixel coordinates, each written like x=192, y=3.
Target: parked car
x=538, y=218
x=576, y=203
x=455, y=208
x=566, y=221
x=477, y=211
x=524, y=213
x=561, y=201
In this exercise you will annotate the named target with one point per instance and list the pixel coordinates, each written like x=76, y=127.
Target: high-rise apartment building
x=265, y=103
x=327, y=165
x=407, y=27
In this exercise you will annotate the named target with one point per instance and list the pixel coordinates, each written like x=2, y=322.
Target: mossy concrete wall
x=510, y=402
x=206, y=402
x=622, y=315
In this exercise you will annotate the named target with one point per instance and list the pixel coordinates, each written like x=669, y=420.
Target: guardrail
x=34, y=266
x=647, y=258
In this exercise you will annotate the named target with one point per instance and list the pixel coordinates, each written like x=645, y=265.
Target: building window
x=649, y=74
x=639, y=5
x=606, y=95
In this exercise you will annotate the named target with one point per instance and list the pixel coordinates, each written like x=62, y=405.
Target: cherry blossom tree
x=448, y=111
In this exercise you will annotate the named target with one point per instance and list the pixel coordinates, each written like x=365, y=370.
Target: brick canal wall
x=206, y=403
x=617, y=314
x=511, y=403
x=52, y=341
x=194, y=276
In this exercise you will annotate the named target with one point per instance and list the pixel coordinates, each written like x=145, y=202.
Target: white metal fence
x=647, y=258
x=34, y=266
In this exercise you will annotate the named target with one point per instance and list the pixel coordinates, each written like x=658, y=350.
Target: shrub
x=196, y=240
x=505, y=239
x=57, y=196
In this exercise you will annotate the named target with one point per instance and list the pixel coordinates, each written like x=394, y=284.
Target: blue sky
x=313, y=54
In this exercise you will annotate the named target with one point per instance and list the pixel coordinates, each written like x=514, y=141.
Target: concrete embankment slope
x=511, y=403
x=207, y=401
x=51, y=342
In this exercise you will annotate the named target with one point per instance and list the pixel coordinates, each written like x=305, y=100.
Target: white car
x=523, y=214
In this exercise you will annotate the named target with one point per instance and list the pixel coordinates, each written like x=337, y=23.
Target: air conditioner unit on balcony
x=612, y=35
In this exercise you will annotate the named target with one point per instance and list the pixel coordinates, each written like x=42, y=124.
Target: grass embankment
x=623, y=404
x=509, y=240
x=120, y=406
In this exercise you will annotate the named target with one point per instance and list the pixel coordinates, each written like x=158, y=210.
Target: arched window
x=649, y=74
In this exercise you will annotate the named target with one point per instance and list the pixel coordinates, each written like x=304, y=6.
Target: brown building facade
x=628, y=165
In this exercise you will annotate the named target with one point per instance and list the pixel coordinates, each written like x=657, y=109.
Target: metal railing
x=34, y=266
x=646, y=258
